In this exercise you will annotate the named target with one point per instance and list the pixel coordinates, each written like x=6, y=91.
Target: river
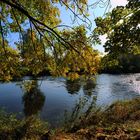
x=54, y=98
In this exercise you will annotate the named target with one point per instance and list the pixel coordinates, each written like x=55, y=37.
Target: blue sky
x=94, y=13
x=67, y=15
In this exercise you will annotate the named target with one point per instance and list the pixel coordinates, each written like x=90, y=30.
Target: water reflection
x=33, y=99
x=73, y=86
x=89, y=86
x=62, y=94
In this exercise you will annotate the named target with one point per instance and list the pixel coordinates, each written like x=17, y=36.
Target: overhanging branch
x=32, y=19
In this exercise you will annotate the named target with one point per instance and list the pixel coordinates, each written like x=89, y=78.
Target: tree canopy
x=42, y=45
x=45, y=45
x=122, y=27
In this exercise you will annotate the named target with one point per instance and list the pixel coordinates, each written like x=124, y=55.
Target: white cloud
x=115, y=3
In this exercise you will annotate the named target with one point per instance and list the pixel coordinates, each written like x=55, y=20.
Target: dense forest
x=44, y=46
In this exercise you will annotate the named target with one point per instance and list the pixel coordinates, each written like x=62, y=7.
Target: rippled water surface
x=51, y=97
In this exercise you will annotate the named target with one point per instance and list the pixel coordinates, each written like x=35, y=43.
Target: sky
x=94, y=13
x=66, y=18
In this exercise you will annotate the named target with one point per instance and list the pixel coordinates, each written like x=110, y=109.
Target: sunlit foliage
x=42, y=47
x=9, y=62
x=86, y=60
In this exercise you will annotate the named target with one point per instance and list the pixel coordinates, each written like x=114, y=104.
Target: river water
x=54, y=98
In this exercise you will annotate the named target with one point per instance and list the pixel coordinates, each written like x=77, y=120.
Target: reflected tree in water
x=33, y=98
x=73, y=86
x=89, y=86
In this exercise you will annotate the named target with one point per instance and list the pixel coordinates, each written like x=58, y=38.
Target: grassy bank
x=119, y=121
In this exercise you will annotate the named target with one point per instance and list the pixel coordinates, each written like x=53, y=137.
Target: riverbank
x=119, y=121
